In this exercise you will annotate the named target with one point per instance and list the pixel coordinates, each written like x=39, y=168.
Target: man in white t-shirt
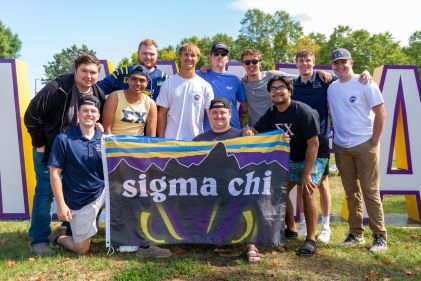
x=184, y=99
x=358, y=116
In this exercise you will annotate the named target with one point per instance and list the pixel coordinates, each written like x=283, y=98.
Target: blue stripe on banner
x=191, y=148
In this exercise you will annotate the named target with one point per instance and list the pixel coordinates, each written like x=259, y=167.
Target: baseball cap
x=219, y=103
x=219, y=45
x=89, y=100
x=341, y=54
x=139, y=69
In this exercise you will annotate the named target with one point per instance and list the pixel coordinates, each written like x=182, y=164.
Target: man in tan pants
x=358, y=116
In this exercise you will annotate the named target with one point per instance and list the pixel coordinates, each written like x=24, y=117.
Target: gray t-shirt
x=257, y=95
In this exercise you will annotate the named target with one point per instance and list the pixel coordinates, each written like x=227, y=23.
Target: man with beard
x=307, y=159
x=147, y=56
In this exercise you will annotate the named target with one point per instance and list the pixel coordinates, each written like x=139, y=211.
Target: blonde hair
x=189, y=48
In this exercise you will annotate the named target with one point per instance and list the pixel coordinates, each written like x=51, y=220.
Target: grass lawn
x=202, y=262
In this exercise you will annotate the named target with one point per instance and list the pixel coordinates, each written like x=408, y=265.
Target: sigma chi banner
x=167, y=192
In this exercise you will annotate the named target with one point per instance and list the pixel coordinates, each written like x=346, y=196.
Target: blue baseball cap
x=140, y=70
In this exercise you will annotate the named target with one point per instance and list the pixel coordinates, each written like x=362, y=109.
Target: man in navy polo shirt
x=77, y=178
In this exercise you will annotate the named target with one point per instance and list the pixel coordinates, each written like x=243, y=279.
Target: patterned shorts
x=296, y=170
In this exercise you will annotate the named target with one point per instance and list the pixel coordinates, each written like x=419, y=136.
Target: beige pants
x=359, y=170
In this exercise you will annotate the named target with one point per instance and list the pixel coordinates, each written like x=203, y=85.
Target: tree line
x=277, y=36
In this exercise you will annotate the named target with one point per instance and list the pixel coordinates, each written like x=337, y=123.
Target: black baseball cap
x=220, y=103
x=89, y=100
x=219, y=45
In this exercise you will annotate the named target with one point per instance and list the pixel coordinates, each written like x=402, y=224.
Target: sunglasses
x=254, y=62
x=224, y=54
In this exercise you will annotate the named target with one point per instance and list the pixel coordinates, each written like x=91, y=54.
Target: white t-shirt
x=350, y=105
x=187, y=101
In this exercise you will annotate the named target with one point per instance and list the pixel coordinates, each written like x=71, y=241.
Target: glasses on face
x=254, y=62
x=224, y=54
x=279, y=88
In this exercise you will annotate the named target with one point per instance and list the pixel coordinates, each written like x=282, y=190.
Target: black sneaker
x=289, y=234
x=379, y=244
x=352, y=240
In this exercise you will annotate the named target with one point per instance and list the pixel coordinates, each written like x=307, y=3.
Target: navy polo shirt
x=81, y=164
x=314, y=94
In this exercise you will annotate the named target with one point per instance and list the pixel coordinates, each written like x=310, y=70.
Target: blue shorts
x=296, y=170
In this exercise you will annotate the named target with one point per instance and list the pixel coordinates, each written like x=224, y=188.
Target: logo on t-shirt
x=196, y=98
x=98, y=147
x=286, y=127
x=352, y=99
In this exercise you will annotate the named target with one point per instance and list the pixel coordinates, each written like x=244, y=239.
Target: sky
x=114, y=28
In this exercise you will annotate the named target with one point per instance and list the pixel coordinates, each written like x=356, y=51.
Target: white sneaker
x=128, y=249
x=302, y=229
x=324, y=235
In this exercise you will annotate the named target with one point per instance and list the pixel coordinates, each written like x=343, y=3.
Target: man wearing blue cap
x=130, y=111
x=358, y=116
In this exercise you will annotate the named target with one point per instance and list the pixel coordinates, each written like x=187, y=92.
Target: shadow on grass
x=207, y=262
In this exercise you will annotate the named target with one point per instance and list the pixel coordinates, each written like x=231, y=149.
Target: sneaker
x=302, y=229
x=56, y=233
x=352, y=240
x=289, y=234
x=153, y=251
x=379, y=244
x=324, y=235
x=128, y=249
x=42, y=249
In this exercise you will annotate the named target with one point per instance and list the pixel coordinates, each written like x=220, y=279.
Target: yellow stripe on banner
x=249, y=222
x=168, y=222
x=162, y=154
x=144, y=217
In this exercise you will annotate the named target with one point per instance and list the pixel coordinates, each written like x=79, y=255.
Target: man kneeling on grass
x=76, y=175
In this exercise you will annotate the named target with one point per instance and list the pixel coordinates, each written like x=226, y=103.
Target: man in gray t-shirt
x=255, y=83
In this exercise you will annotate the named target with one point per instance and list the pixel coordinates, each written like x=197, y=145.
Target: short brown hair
x=251, y=52
x=304, y=53
x=147, y=42
x=189, y=48
x=87, y=59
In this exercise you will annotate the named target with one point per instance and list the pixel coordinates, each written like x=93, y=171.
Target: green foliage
x=127, y=62
x=10, y=44
x=278, y=37
x=62, y=62
x=413, y=51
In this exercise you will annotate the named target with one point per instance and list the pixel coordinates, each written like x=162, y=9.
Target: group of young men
x=64, y=121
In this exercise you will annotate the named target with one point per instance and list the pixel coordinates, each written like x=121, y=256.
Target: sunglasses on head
x=254, y=62
x=224, y=54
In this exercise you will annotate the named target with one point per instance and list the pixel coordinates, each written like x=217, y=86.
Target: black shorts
x=326, y=172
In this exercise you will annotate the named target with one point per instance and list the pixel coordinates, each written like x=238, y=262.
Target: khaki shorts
x=83, y=221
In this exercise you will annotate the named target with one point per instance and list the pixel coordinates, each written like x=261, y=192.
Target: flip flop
x=252, y=254
x=307, y=249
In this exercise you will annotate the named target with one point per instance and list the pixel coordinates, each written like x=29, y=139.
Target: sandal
x=252, y=254
x=307, y=249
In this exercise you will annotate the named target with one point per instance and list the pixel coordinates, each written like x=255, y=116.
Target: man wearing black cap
x=220, y=113
x=223, y=84
x=79, y=198
x=358, y=116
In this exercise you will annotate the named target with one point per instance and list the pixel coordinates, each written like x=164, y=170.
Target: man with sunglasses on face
x=255, y=83
x=224, y=84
